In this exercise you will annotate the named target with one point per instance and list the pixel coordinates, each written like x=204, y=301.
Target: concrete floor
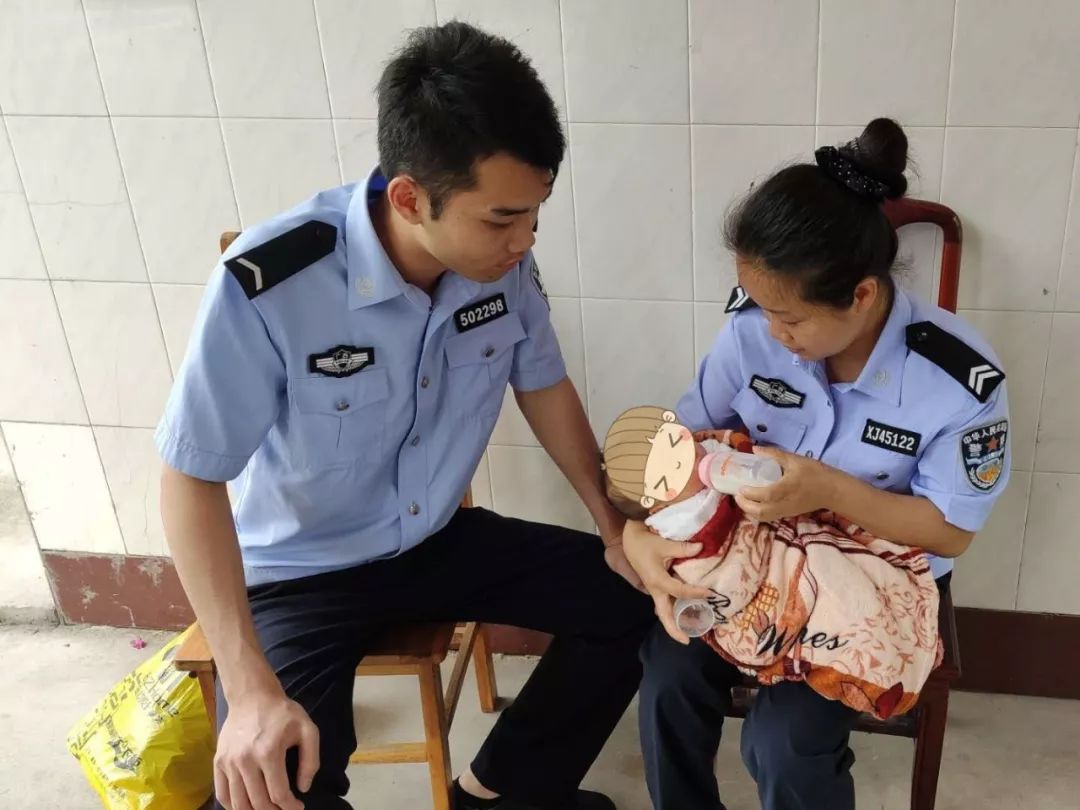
x=1001, y=752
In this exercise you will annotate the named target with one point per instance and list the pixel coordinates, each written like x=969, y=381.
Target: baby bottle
x=728, y=470
x=694, y=616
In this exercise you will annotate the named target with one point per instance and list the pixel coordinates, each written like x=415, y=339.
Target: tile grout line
x=817, y=74
x=952, y=68
x=6, y=447
x=1023, y=533
x=725, y=124
x=329, y=99
x=217, y=114
x=693, y=184
x=573, y=209
x=146, y=270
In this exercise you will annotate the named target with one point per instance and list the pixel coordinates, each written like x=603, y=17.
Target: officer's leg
x=685, y=693
x=795, y=745
x=313, y=636
x=484, y=567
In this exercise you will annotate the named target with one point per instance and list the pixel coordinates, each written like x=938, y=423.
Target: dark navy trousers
x=480, y=567
x=794, y=741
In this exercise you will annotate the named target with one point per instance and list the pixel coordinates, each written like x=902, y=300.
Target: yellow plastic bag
x=148, y=744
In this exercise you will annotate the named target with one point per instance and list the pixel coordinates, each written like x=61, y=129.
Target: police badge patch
x=341, y=361
x=983, y=450
x=777, y=392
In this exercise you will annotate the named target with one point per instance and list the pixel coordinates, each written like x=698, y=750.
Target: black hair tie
x=844, y=170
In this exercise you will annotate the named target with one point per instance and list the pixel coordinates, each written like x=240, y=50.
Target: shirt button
x=490, y=350
x=828, y=404
x=424, y=382
x=414, y=508
x=809, y=453
x=415, y=441
x=343, y=405
x=762, y=428
x=881, y=476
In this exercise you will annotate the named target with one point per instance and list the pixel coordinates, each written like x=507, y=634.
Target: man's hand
x=249, y=768
x=615, y=557
x=807, y=485
x=651, y=556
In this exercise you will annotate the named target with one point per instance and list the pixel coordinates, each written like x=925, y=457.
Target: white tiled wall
x=134, y=133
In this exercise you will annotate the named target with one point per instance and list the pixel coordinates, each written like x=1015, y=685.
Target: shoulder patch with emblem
x=539, y=282
x=961, y=362
x=738, y=301
x=341, y=361
x=777, y=392
x=271, y=263
x=983, y=451
x=480, y=312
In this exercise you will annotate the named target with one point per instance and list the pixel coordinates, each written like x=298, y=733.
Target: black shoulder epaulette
x=961, y=362
x=284, y=256
x=738, y=301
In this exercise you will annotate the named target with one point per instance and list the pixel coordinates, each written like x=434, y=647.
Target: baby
x=794, y=599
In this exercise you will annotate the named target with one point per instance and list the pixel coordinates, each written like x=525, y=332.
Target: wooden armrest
x=193, y=654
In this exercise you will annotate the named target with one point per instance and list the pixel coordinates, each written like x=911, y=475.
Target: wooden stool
x=414, y=650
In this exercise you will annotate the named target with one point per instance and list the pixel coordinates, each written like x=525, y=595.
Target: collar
x=372, y=276
x=883, y=373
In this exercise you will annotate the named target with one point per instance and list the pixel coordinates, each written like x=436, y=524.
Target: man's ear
x=668, y=416
x=404, y=195
x=648, y=502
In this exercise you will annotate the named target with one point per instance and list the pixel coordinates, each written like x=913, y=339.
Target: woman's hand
x=807, y=485
x=651, y=556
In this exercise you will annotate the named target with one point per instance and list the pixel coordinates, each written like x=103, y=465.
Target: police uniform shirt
x=349, y=406
x=928, y=414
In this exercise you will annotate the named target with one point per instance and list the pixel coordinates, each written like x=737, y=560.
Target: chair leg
x=929, y=744
x=485, y=672
x=209, y=693
x=436, y=734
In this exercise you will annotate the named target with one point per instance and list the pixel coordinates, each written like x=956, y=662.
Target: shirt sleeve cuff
x=545, y=376
x=201, y=464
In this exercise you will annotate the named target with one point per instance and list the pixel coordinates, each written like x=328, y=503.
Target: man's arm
x=558, y=420
x=263, y=722
x=202, y=538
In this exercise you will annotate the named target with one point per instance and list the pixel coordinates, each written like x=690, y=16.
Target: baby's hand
x=721, y=436
x=732, y=438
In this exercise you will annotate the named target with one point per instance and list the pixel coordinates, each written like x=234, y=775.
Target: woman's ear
x=648, y=502
x=866, y=294
x=668, y=416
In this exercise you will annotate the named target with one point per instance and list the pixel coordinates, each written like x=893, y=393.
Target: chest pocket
x=890, y=467
x=768, y=424
x=478, y=366
x=338, y=420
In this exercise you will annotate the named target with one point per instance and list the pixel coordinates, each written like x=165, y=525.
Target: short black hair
x=819, y=224
x=454, y=95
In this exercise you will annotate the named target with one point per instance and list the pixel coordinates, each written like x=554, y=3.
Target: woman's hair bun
x=881, y=151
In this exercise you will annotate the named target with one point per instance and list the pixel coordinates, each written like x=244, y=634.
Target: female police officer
x=883, y=408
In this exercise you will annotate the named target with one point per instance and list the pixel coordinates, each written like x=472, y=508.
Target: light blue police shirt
x=933, y=424
x=350, y=407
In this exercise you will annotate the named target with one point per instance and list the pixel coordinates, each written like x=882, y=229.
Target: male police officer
x=346, y=368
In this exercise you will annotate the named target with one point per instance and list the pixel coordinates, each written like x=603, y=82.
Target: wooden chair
x=413, y=650
x=417, y=650
x=925, y=724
